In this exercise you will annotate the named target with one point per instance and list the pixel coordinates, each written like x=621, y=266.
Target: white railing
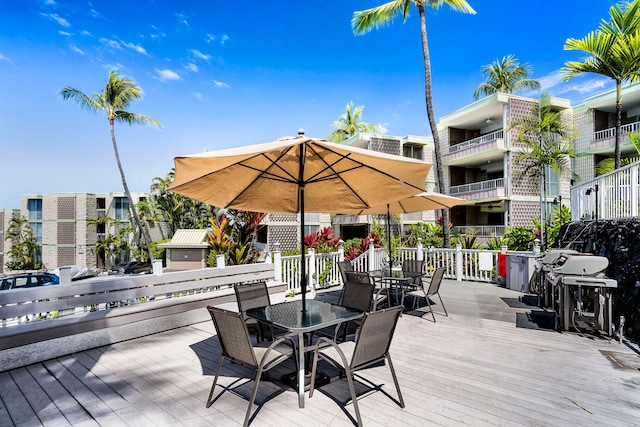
x=104, y=293
x=322, y=270
x=499, y=134
x=610, y=196
x=491, y=184
x=460, y=264
x=611, y=132
x=480, y=230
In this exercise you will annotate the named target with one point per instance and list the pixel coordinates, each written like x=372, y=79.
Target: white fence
x=610, y=196
x=460, y=264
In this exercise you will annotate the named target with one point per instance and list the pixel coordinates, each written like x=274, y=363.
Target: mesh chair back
x=358, y=291
x=413, y=266
x=252, y=295
x=436, y=280
x=375, y=336
x=344, y=267
x=233, y=335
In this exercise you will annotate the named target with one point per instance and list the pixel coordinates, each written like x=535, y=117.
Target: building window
x=412, y=151
x=308, y=229
x=122, y=208
x=35, y=209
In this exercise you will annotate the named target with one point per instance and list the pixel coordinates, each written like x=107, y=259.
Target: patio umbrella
x=424, y=201
x=296, y=175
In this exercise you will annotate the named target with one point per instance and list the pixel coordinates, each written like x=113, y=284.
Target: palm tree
x=506, y=76
x=350, y=124
x=365, y=20
x=614, y=52
x=114, y=98
x=24, y=248
x=548, y=139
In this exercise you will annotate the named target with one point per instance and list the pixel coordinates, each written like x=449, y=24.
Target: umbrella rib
x=337, y=175
x=265, y=173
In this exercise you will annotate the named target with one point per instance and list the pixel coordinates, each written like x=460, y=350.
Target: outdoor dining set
x=351, y=335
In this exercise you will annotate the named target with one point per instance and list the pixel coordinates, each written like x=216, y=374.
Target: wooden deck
x=475, y=367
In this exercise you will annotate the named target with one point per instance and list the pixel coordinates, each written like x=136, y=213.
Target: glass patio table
x=289, y=316
x=397, y=282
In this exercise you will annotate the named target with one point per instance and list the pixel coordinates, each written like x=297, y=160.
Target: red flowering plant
x=324, y=240
x=356, y=247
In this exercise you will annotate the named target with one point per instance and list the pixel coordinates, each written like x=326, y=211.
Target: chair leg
x=354, y=398
x=430, y=309
x=215, y=381
x=443, y=307
x=259, y=373
x=314, y=367
x=395, y=381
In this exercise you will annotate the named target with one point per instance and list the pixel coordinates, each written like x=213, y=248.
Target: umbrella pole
x=303, y=261
x=389, y=240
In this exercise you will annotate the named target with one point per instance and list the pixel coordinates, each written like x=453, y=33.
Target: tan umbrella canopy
x=298, y=174
x=424, y=201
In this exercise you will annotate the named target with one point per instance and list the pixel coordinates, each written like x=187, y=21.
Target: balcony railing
x=490, y=137
x=611, y=132
x=480, y=230
x=489, y=185
x=610, y=196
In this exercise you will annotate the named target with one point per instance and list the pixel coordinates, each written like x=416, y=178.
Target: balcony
x=483, y=148
x=604, y=141
x=611, y=196
x=491, y=189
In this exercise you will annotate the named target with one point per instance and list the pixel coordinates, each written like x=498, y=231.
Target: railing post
x=277, y=262
x=459, y=262
x=633, y=190
x=420, y=254
x=371, y=257
x=340, y=250
x=220, y=261
x=312, y=269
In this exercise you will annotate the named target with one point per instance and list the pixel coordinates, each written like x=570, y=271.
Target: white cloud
x=76, y=49
x=198, y=95
x=135, y=47
x=64, y=33
x=200, y=55
x=182, y=19
x=583, y=85
x=113, y=44
x=167, y=75
x=192, y=67
x=210, y=38
x=4, y=58
x=221, y=84
x=57, y=18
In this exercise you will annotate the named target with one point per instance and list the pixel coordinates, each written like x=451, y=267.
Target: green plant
x=519, y=238
x=495, y=243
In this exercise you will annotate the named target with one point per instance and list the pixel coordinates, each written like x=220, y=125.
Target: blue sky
x=219, y=74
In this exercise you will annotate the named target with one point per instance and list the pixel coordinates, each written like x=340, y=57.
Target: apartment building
x=479, y=157
x=595, y=121
x=64, y=225
x=417, y=147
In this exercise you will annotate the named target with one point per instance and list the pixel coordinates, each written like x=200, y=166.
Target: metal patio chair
x=236, y=346
x=253, y=295
x=370, y=347
x=429, y=289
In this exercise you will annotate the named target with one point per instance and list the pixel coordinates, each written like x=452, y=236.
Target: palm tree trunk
x=618, y=123
x=132, y=207
x=432, y=121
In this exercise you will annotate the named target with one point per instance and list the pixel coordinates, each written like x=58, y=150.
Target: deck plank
x=474, y=367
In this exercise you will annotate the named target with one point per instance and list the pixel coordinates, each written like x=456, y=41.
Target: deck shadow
x=537, y=319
